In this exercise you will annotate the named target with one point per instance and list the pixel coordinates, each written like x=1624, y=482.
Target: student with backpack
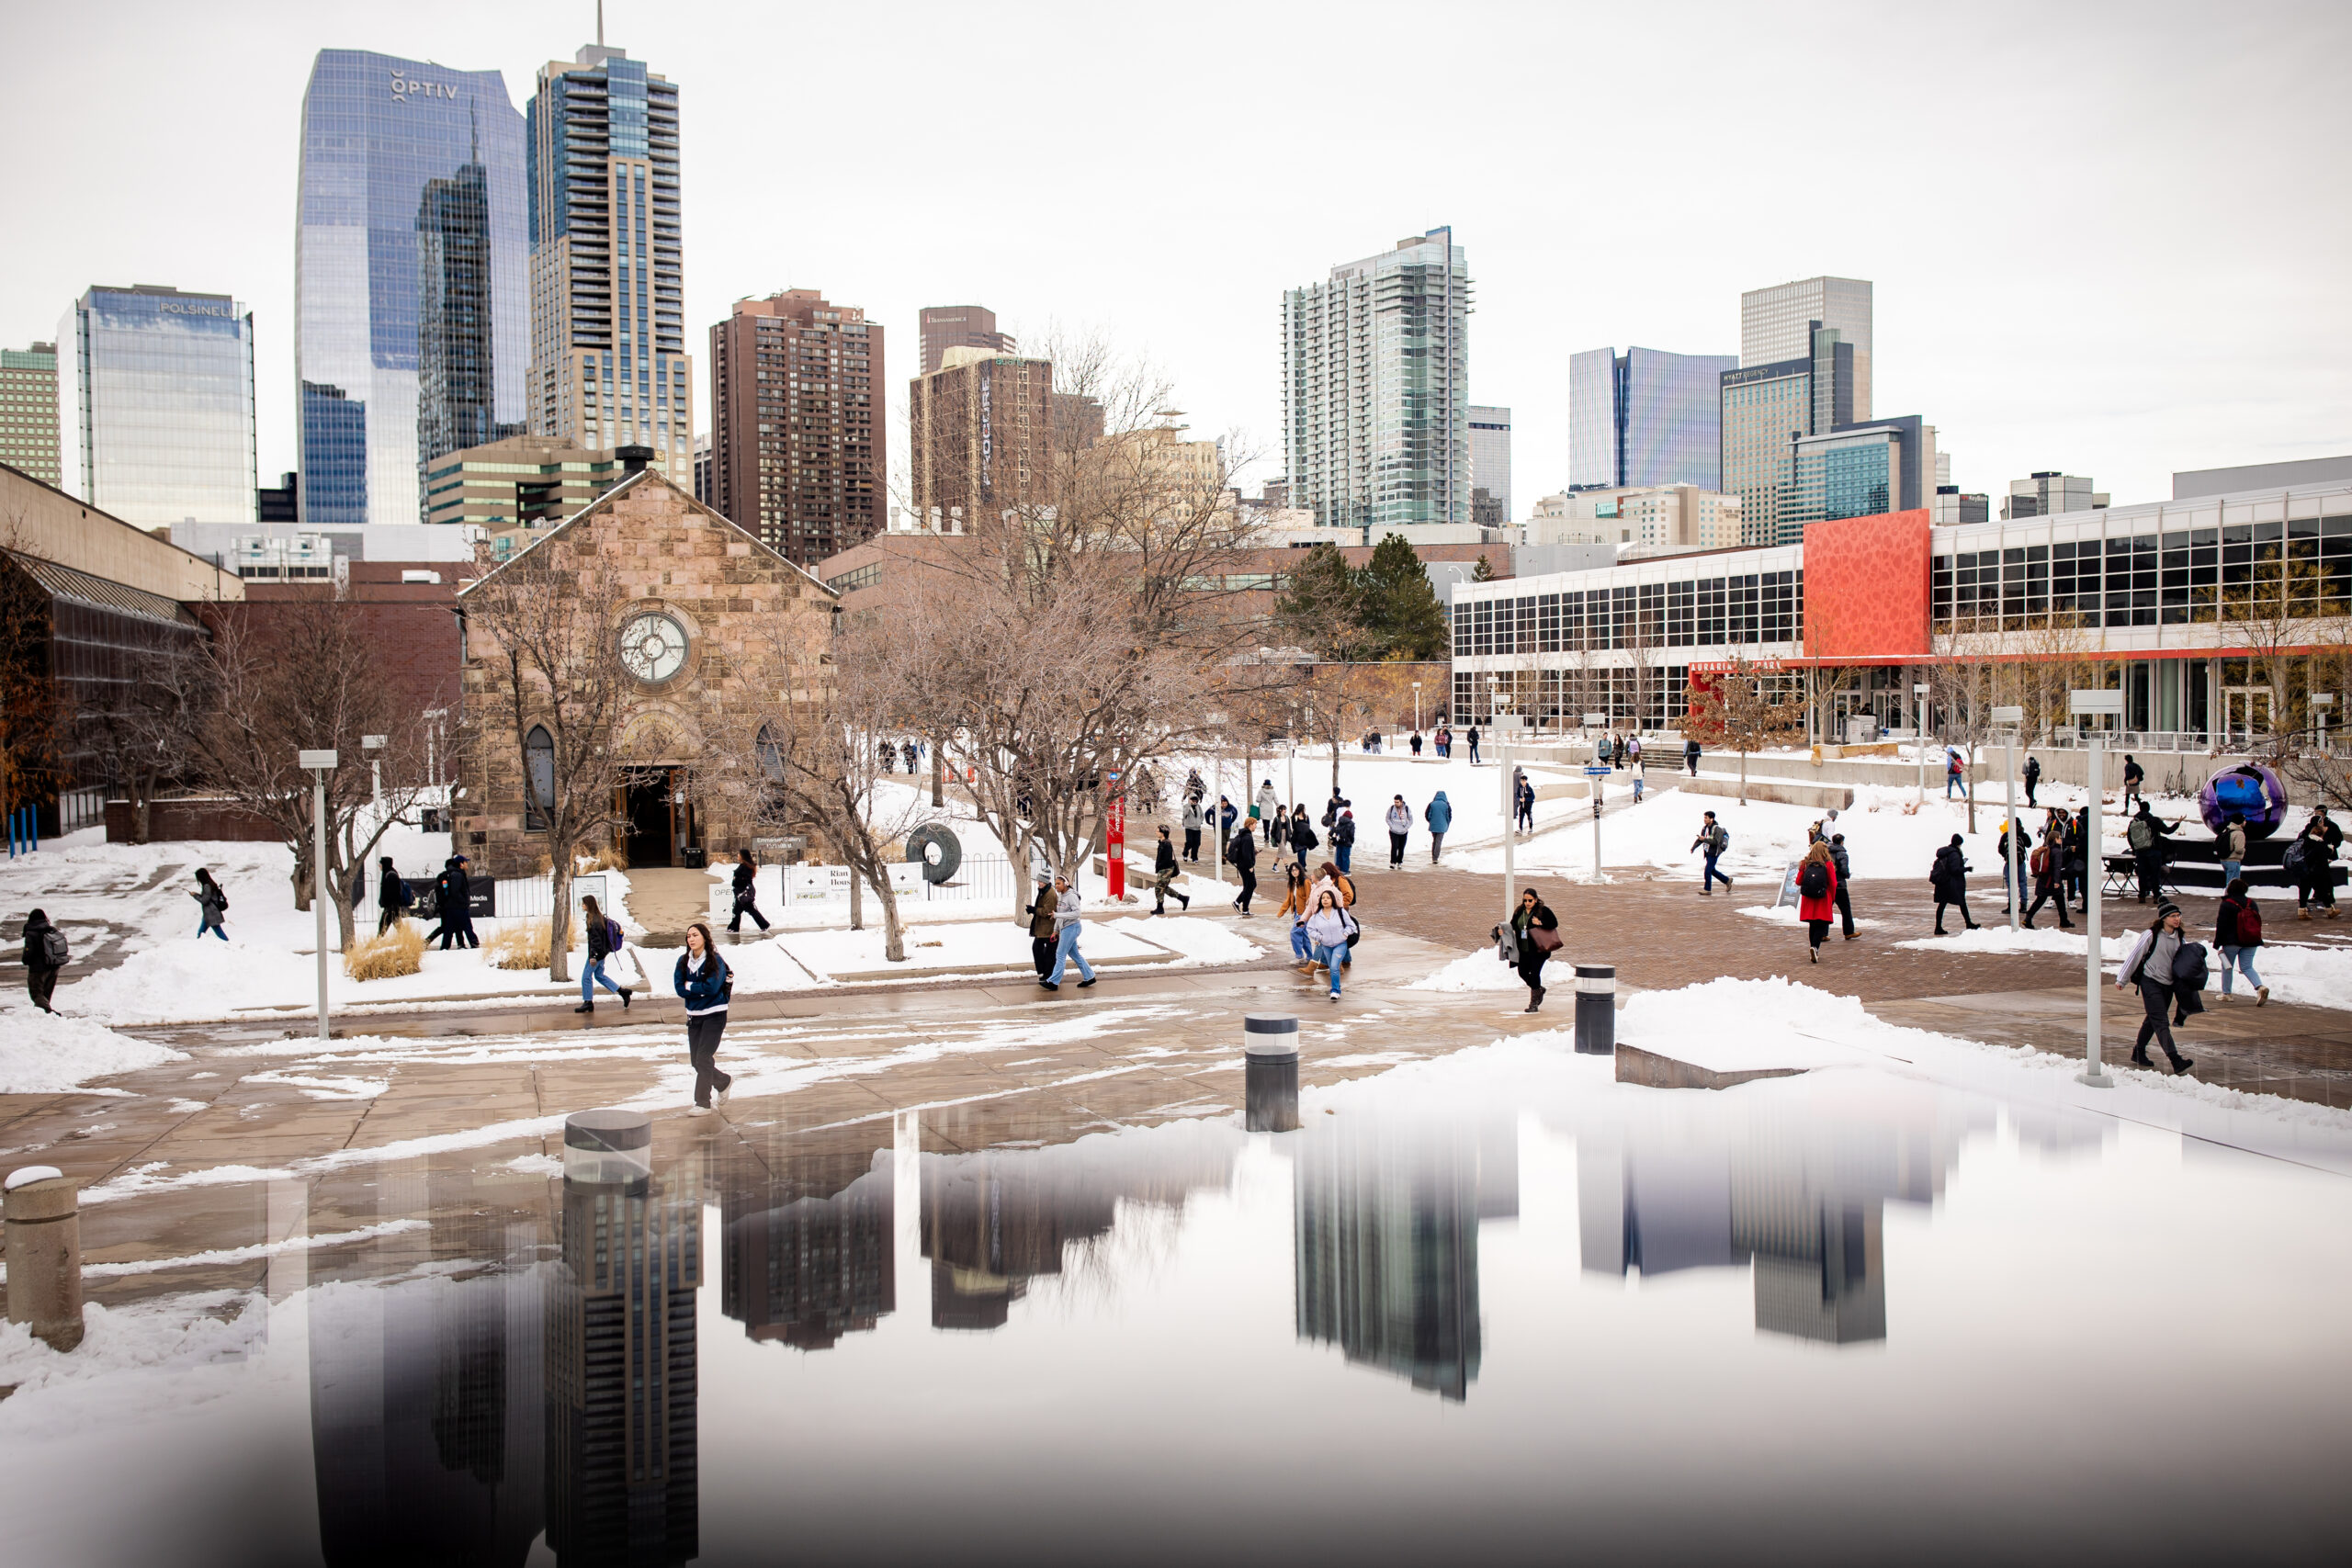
x=1302, y=835
x=1816, y=895
x=1845, y=869
x=1327, y=931
x=1241, y=854
x=2237, y=932
x=604, y=941
x=45, y=954
x=747, y=892
x=392, y=896
x=1948, y=877
x=2230, y=845
x=211, y=905
x=2155, y=967
x=2146, y=836
x=2048, y=864
x=706, y=985
x=1712, y=842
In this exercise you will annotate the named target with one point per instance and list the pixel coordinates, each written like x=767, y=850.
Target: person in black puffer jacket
x=42, y=958
x=1950, y=879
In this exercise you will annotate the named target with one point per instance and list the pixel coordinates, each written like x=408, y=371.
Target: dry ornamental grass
x=400, y=951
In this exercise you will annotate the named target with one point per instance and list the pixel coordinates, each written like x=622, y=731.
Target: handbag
x=1548, y=941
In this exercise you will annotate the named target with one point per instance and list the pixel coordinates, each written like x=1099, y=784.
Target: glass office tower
x=1645, y=417
x=411, y=275
x=155, y=405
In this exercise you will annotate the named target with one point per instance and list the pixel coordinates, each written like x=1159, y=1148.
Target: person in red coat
x=1817, y=895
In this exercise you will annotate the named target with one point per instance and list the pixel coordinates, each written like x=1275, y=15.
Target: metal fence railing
x=78, y=808
x=503, y=898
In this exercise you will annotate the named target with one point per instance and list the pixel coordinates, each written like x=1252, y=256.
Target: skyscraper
x=797, y=450
x=411, y=278
x=1376, y=388
x=979, y=439
x=1775, y=325
x=1645, y=417
x=155, y=405
x=1490, y=465
x=28, y=411
x=1764, y=409
x=1859, y=471
x=609, y=366
x=944, y=327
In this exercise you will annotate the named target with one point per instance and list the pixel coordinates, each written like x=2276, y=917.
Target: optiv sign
x=405, y=88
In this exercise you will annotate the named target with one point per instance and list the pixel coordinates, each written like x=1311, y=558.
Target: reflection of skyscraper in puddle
x=992, y=1221
x=425, y=1392
x=1793, y=1188
x=620, y=1339
x=1386, y=1240
x=807, y=1255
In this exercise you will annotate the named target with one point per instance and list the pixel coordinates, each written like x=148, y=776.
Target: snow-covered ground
x=2295, y=972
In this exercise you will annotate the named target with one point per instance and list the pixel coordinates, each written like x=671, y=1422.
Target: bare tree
x=541, y=631
x=292, y=675
x=1745, y=708
x=141, y=732
x=34, y=719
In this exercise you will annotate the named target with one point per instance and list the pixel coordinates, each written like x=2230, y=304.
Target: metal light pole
x=1598, y=774
x=1416, y=708
x=320, y=764
x=1919, y=747
x=371, y=744
x=2088, y=705
x=2010, y=718
x=1511, y=834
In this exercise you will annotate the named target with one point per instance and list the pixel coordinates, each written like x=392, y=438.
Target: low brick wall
x=174, y=819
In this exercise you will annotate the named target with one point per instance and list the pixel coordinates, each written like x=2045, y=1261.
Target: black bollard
x=1269, y=1047
x=1597, y=1009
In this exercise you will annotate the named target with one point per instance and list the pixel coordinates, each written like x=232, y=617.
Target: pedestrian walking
x=1327, y=930
x=2078, y=866
x=2013, y=871
x=1713, y=840
x=1294, y=912
x=2146, y=836
x=2135, y=780
x=1416, y=744
x=1535, y=933
x=211, y=906
x=453, y=895
x=889, y=750
x=392, y=896
x=2311, y=860
x=1439, y=815
x=706, y=985
x=1948, y=877
x=1068, y=927
x=1400, y=825
x=1227, y=814
x=2229, y=845
x=1691, y=756
x=2048, y=864
x=1444, y=740
x=1523, y=802
x=747, y=892
x=1845, y=875
x=1263, y=810
x=1242, y=852
x=2032, y=776
x=1343, y=837
x=603, y=935
x=1163, y=872
x=1040, y=911
x=1302, y=835
x=1193, y=824
x=1951, y=772
x=2152, y=967
x=1641, y=776
x=1331, y=876
x=1816, y=895
x=1473, y=743
x=2237, y=932
x=45, y=954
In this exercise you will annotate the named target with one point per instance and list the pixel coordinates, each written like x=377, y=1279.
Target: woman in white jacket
x=1327, y=935
x=2149, y=967
x=1401, y=823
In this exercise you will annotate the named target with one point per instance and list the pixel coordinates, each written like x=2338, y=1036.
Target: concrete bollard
x=1597, y=1009
x=44, y=1221
x=1270, y=1049
x=608, y=1147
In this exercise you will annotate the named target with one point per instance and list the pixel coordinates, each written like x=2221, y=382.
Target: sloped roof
x=70, y=582
x=644, y=476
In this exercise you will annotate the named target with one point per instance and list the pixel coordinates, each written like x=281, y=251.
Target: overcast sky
x=2109, y=238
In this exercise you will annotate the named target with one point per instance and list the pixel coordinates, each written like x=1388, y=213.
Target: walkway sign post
x=1919, y=741
x=319, y=764
x=2081, y=706
x=1115, y=852
x=1596, y=774
x=2009, y=720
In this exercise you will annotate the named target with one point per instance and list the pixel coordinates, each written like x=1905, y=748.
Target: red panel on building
x=1866, y=588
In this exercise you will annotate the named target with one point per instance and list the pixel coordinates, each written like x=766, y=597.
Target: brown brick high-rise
x=797, y=447
x=942, y=327
x=980, y=438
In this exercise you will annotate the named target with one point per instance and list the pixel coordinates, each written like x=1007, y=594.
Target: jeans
x=1334, y=959
x=1707, y=881
x=2231, y=871
x=591, y=975
x=1193, y=844
x=1526, y=818
x=1395, y=850
x=2234, y=959
x=1951, y=783
x=1692, y=762
x=702, y=1049
x=1845, y=907
x=1300, y=948
x=1637, y=791
x=1474, y=753
x=1066, y=949
x=1340, y=855
x=207, y=923
x=1437, y=844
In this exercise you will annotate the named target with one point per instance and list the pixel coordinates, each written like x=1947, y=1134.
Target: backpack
x=2249, y=932
x=2293, y=859
x=1722, y=838
x=2189, y=966
x=1813, y=880
x=612, y=935
x=53, y=951
x=2140, y=836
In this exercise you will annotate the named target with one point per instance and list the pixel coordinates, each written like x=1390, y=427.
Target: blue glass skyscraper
x=412, y=278
x=1645, y=417
x=155, y=405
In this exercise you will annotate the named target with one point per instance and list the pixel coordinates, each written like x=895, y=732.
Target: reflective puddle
x=1494, y=1308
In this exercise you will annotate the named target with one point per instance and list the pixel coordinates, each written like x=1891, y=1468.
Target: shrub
x=400, y=951
x=523, y=945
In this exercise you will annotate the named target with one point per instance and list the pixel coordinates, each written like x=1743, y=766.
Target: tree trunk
x=302, y=877
x=1743, y=778
x=856, y=900
x=894, y=932
x=340, y=881
x=938, y=776
x=560, y=911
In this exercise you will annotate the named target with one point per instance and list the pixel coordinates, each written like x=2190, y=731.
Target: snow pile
x=1742, y=1025
x=1480, y=971
x=175, y=1352
x=2314, y=977
x=1200, y=942
x=43, y=1053
x=184, y=979
x=1995, y=936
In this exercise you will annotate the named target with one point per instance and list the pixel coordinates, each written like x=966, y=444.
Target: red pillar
x=1115, y=857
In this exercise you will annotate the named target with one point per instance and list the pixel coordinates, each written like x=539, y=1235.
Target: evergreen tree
x=1402, y=618
x=1483, y=571
x=1322, y=605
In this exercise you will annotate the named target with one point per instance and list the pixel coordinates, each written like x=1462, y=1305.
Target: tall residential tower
x=609, y=366
x=942, y=327
x=1490, y=466
x=155, y=405
x=28, y=411
x=413, y=318
x=1376, y=388
x=797, y=450
x=1776, y=324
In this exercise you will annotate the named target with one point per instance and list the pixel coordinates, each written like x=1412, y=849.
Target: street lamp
x=319, y=764
x=2322, y=702
x=2009, y=720
x=1919, y=747
x=2081, y=705
x=372, y=744
x=1416, y=708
